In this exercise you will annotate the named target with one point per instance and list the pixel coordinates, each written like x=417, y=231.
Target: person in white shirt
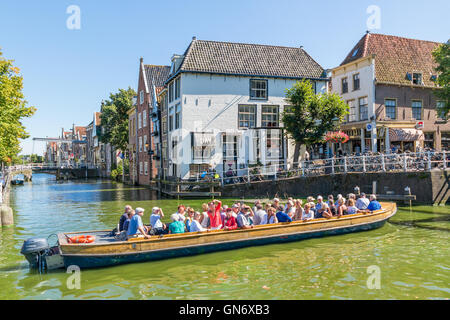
x=308, y=214
x=180, y=213
x=362, y=203
x=195, y=224
x=260, y=215
x=204, y=218
x=155, y=221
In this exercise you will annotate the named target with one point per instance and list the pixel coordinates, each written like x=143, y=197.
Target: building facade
x=151, y=79
x=389, y=84
x=224, y=104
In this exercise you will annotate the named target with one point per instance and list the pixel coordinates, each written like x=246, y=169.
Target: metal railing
x=372, y=163
x=48, y=166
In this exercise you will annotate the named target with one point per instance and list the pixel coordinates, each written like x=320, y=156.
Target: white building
x=224, y=106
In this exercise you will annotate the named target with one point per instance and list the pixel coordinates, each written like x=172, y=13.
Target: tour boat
x=105, y=250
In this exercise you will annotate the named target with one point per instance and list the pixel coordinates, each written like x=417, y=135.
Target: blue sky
x=68, y=72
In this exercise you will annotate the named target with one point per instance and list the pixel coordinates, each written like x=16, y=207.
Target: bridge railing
x=372, y=163
x=47, y=166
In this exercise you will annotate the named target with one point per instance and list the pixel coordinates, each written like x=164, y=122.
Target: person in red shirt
x=215, y=221
x=230, y=221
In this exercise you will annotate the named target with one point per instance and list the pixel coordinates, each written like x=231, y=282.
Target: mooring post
x=382, y=163
x=248, y=175
x=405, y=164
x=345, y=164
x=429, y=161
x=364, y=163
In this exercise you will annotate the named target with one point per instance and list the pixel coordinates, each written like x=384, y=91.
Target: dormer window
x=417, y=78
x=355, y=52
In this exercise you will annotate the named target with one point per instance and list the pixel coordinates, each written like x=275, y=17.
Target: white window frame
x=144, y=119
x=146, y=168
x=141, y=96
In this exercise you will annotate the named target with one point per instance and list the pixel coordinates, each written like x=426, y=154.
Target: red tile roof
x=396, y=56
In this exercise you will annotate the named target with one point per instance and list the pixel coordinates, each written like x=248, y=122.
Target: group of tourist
x=215, y=216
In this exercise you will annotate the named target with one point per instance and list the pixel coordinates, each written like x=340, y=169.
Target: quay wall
x=429, y=187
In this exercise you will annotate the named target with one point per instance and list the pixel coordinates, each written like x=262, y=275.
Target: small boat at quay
x=17, y=182
x=105, y=250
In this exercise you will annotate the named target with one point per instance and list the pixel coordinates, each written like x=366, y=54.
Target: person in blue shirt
x=374, y=204
x=282, y=216
x=136, y=227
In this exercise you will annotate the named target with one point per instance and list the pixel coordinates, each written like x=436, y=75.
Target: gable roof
x=249, y=60
x=396, y=56
x=156, y=75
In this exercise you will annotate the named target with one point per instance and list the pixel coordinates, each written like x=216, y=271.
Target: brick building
x=389, y=82
x=151, y=80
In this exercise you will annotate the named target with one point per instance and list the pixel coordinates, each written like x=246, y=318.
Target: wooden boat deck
x=105, y=244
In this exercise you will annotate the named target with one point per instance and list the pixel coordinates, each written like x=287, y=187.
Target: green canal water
x=411, y=252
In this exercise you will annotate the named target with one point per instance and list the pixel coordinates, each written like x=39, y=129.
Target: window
x=202, y=145
x=247, y=116
x=144, y=119
x=177, y=116
x=344, y=85
x=146, y=168
x=273, y=144
x=171, y=92
x=258, y=89
x=140, y=144
x=139, y=120
x=145, y=143
x=140, y=168
x=269, y=116
x=363, y=109
x=416, y=107
x=141, y=96
x=197, y=169
x=391, y=108
x=429, y=140
x=440, y=105
x=352, y=116
x=177, y=88
x=171, y=119
x=356, y=81
x=417, y=78
x=230, y=149
x=164, y=124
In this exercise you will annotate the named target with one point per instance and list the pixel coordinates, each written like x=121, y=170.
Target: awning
x=406, y=134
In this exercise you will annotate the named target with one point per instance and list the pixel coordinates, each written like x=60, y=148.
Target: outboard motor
x=34, y=250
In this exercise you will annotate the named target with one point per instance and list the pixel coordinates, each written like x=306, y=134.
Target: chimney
x=194, y=38
x=141, y=59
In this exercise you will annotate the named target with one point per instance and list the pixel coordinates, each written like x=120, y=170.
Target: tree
x=311, y=115
x=114, y=118
x=12, y=110
x=442, y=57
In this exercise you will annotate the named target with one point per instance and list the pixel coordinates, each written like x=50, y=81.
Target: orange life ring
x=82, y=239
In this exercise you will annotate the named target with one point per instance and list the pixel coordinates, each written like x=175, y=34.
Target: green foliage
x=311, y=116
x=12, y=111
x=442, y=57
x=116, y=174
x=114, y=118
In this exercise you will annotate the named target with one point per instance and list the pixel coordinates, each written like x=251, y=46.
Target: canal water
x=411, y=253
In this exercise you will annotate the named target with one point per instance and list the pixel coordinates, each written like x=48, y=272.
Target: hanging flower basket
x=336, y=137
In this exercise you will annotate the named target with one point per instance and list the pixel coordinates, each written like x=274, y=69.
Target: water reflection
x=411, y=252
